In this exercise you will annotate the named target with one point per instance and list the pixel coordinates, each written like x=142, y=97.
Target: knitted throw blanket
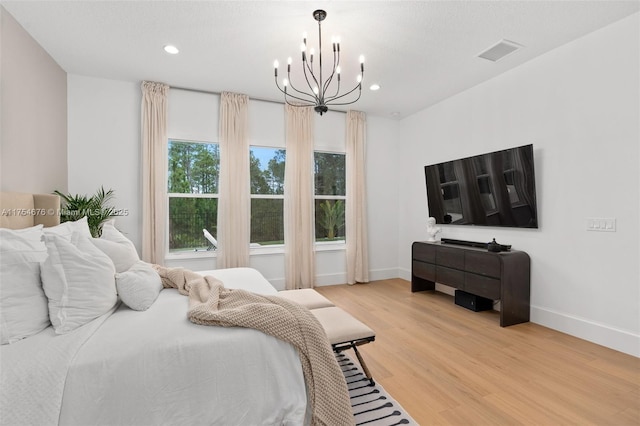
x=210, y=303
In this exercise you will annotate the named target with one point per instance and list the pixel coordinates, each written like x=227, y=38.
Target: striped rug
x=372, y=405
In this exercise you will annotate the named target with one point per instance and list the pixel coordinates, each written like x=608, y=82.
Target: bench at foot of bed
x=343, y=330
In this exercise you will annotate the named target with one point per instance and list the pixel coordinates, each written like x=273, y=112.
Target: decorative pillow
x=110, y=233
x=79, y=282
x=139, y=287
x=23, y=305
x=71, y=231
x=123, y=255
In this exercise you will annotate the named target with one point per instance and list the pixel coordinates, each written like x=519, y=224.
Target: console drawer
x=451, y=277
x=424, y=252
x=482, y=286
x=426, y=271
x=452, y=258
x=482, y=263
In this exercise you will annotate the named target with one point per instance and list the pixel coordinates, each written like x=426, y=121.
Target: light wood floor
x=448, y=365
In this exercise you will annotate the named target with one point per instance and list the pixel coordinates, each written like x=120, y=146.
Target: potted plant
x=95, y=208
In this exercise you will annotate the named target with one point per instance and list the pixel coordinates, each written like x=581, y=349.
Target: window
x=267, y=195
x=330, y=195
x=193, y=171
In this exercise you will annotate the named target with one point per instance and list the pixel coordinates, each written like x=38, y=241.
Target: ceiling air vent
x=500, y=50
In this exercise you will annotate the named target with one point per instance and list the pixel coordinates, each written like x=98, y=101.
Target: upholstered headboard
x=22, y=210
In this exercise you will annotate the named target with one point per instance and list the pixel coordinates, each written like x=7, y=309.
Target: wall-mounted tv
x=494, y=189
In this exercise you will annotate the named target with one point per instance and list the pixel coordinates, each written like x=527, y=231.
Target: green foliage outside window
x=194, y=168
x=330, y=182
x=267, y=180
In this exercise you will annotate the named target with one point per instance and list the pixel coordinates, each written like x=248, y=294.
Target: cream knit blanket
x=210, y=303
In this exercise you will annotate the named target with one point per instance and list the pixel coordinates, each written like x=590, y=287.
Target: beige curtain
x=356, y=208
x=154, y=166
x=234, y=207
x=299, y=217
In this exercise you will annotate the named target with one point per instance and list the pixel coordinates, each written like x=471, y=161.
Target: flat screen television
x=493, y=189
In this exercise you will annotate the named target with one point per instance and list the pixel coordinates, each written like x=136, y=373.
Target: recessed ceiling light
x=169, y=48
x=374, y=87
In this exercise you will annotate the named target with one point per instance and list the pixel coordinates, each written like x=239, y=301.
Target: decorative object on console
x=497, y=248
x=432, y=229
x=320, y=96
x=94, y=208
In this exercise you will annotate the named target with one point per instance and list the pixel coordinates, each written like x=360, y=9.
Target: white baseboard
x=341, y=278
x=601, y=334
x=404, y=273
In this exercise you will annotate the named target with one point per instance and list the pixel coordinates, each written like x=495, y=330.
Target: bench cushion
x=340, y=326
x=307, y=297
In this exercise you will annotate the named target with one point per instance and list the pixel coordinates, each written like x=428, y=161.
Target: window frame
x=336, y=244
x=271, y=248
x=170, y=255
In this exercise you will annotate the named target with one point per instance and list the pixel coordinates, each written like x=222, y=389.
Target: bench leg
x=363, y=364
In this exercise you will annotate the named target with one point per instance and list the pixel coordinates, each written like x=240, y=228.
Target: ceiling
x=419, y=52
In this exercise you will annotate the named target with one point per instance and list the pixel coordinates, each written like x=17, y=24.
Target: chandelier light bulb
x=289, y=60
x=362, y=59
x=276, y=64
x=338, y=70
x=315, y=90
x=359, y=78
x=285, y=82
x=303, y=47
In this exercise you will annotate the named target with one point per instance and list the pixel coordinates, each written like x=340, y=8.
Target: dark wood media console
x=504, y=276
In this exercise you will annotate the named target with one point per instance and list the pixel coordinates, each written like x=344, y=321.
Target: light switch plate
x=603, y=224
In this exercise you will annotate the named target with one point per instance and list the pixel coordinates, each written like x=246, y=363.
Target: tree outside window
x=267, y=195
x=330, y=195
x=193, y=177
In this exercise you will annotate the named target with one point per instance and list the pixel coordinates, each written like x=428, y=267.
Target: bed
x=151, y=367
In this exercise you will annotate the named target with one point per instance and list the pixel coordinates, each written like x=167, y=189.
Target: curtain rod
x=186, y=89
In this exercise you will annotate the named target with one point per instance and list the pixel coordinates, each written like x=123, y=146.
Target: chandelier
x=322, y=93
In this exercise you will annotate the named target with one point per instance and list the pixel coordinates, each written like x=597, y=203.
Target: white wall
x=33, y=114
x=104, y=139
x=579, y=107
x=104, y=144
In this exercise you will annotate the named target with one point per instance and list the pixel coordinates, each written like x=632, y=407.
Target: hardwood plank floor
x=451, y=366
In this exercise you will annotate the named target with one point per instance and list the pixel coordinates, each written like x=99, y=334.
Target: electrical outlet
x=603, y=224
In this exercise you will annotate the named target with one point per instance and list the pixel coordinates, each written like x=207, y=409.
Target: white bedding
x=155, y=367
x=33, y=372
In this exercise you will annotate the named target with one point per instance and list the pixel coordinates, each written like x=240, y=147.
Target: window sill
x=204, y=254
x=255, y=251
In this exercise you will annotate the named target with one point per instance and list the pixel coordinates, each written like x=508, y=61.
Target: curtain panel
x=356, y=209
x=154, y=166
x=234, y=202
x=299, y=217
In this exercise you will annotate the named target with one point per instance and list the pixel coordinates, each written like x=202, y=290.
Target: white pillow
x=71, y=231
x=123, y=256
x=23, y=305
x=79, y=282
x=139, y=287
x=110, y=233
